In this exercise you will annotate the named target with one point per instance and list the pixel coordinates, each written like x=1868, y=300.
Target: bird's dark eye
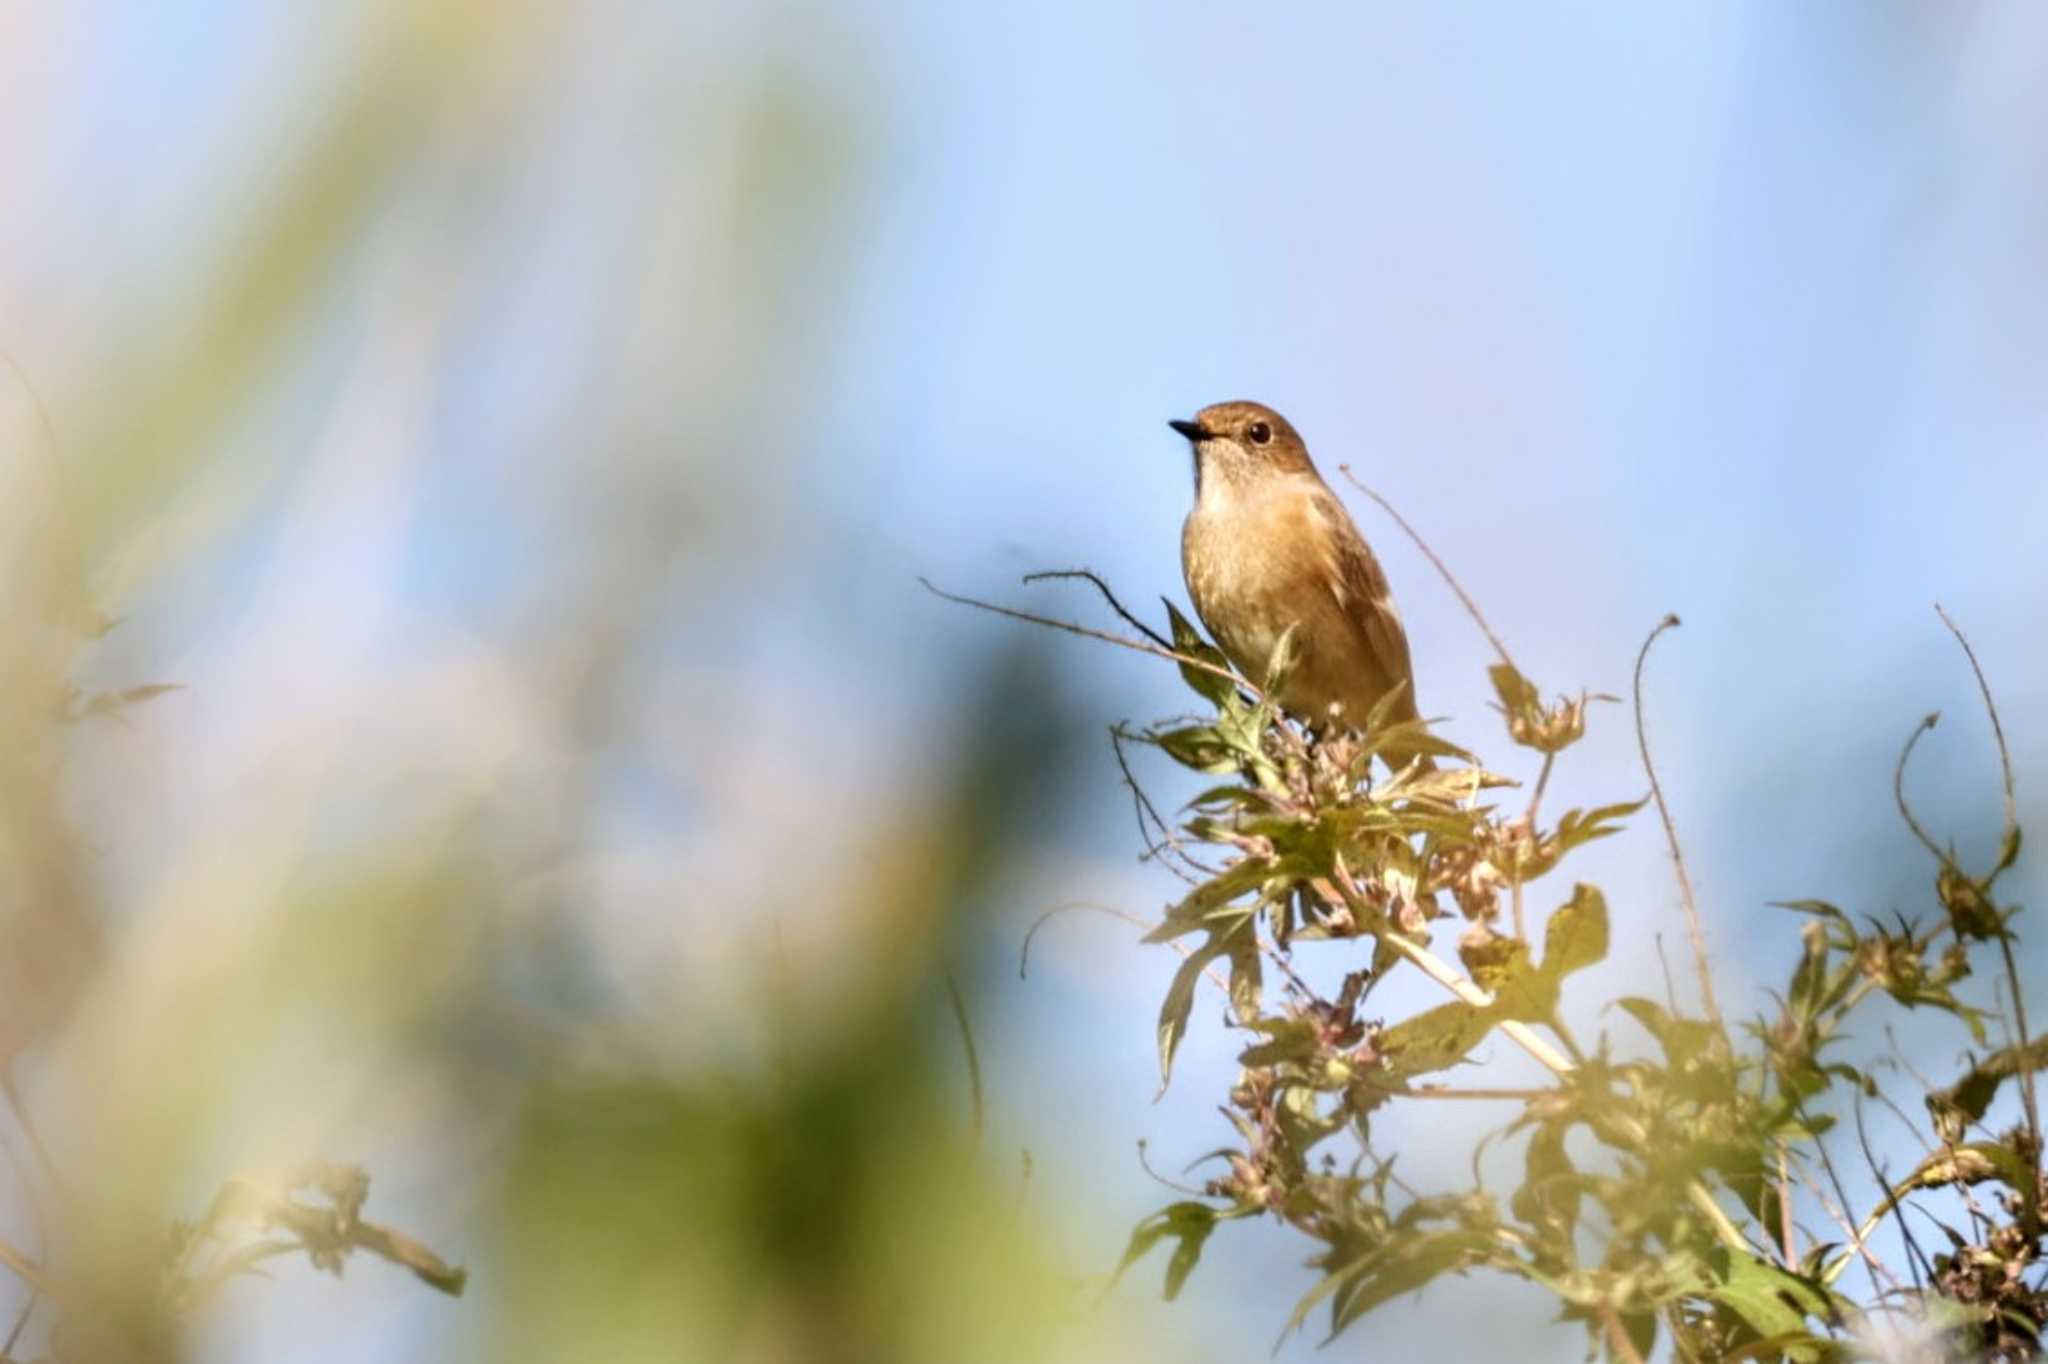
x=1259, y=432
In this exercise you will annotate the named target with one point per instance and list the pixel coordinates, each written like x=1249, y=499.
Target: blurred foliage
x=1662, y=1196
x=367, y=918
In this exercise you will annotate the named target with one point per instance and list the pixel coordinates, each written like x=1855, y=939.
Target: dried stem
x=1145, y=1164
x=1122, y=642
x=973, y=1060
x=1788, y=1242
x=1915, y=1257
x=1166, y=841
x=1125, y=916
x=1686, y=899
x=1088, y=575
x=27, y=1270
x=2028, y=1094
x=1446, y=975
x=1932, y=719
x=1521, y=1096
x=1471, y=607
x=1617, y=1336
x=1991, y=709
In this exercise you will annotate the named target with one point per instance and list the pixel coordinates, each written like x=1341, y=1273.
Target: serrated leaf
x=1821, y=908
x=1194, y=910
x=1576, y=936
x=1180, y=1002
x=1435, y=1039
x=1684, y=1040
x=1201, y=747
x=1772, y=1302
x=1281, y=662
x=1522, y=990
x=1287, y=1039
x=1246, y=974
x=1215, y=689
x=1189, y=1223
x=1550, y=1189
x=1231, y=796
x=1408, y=1264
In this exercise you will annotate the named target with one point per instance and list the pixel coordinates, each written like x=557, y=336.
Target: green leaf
x=1684, y=1040
x=1281, y=662
x=1576, y=936
x=1287, y=1039
x=1187, y=1222
x=1551, y=1187
x=1436, y=1039
x=1180, y=1001
x=1407, y=1264
x=1969, y=1164
x=1771, y=1301
x=1195, y=910
x=1201, y=747
x=1230, y=796
x=1525, y=992
x=1518, y=695
x=1583, y=826
x=1217, y=690
x=1246, y=974
x=1817, y=907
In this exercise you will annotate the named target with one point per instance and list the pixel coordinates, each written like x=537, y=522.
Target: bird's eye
x=1259, y=432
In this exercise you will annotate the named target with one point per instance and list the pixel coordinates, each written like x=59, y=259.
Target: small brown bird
x=1268, y=545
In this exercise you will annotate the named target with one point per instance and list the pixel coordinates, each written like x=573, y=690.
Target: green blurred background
x=519, y=430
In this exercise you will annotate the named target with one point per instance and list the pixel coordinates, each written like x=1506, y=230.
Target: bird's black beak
x=1194, y=431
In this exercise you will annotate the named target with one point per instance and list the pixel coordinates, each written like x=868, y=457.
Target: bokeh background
x=520, y=431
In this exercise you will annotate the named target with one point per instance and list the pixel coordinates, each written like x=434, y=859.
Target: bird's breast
x=1255, y=565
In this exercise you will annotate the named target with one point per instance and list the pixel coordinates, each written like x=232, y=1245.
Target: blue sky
x=1732, y=310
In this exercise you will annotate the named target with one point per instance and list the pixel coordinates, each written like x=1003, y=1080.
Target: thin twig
x=1471, y=607
x=1087, y=575
x=1929, y=721
x=1670, y=986
x=1686, y=899
x=1672, y=1322
x=1785, y=1228
x=1139, y=646
x=1617, y=1335
x=23, y=1174
x=53, y=442
x=2028, y=1095
x=1529, y=816
x=27, y=1270
x=1440, y=971
x=1857, y=1240
x=28, y=1309
x=1915, y=1257
x=1145, y=1163
x=2026, y=1074
x=1445, y=1092
x=44, y=1161
x=973, y=1059
x=1542, y=785
x=1024, y=952
x=1166, y=841
x=1991, y=709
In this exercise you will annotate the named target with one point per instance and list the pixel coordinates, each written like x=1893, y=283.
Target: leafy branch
x=1705, y=1152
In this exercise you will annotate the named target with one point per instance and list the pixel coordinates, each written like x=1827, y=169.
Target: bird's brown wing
x=1368, y=604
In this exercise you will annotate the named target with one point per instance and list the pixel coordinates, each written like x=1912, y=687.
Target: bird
x=1267, y=546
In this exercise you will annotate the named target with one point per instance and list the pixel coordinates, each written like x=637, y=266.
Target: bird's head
x=1238, y=443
